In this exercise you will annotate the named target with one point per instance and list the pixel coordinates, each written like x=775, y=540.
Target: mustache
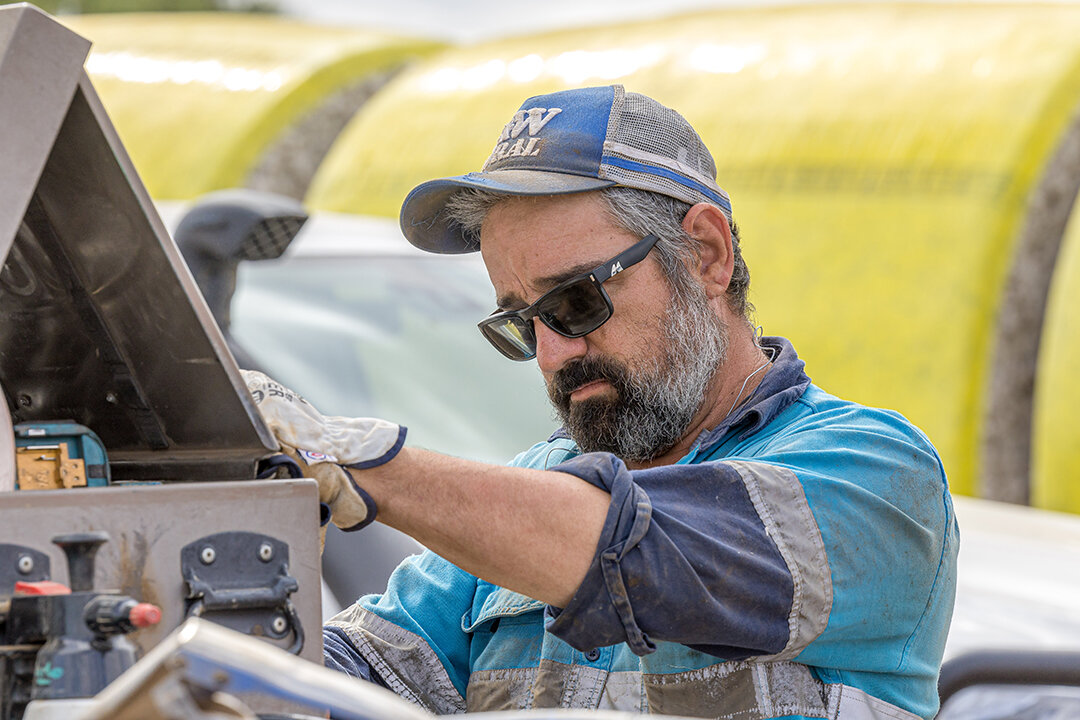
x=581, y=372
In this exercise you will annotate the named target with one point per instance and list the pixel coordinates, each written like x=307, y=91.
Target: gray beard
x=654, y=404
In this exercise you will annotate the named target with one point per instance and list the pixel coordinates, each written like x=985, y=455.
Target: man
x=709, y=534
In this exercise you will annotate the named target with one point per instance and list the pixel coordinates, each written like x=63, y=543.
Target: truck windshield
x=393, y=337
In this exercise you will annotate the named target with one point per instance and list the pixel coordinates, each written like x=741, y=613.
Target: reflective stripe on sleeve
x=781, y=504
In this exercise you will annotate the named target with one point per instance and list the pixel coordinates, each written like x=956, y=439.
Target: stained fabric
x=678, y=544
x=799, y=562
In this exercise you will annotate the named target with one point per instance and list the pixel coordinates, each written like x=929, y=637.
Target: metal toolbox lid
x=100, y=320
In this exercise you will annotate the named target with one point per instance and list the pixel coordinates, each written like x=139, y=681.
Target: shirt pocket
x=506, y=630
x=497, y=606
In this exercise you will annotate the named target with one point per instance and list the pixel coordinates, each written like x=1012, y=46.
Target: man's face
x=633, y=386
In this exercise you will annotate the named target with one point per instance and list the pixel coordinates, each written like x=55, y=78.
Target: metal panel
x=100, y=320
x=148, y=525
x=40, y=64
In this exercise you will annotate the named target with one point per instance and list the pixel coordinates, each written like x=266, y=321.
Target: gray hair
x=639, y=212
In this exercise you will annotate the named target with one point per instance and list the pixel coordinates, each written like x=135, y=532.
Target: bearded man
x=709, y=534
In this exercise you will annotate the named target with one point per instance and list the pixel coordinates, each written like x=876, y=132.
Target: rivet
x=266, y=552
x=208, y=555
x=279, y=625
x=26, y=564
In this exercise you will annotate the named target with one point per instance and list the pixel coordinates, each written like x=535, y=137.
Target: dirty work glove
x=349, y=505
x=321, y=445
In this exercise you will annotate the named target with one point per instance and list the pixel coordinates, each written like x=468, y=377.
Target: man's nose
x=553, y=350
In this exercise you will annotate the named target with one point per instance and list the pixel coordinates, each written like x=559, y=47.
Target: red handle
x=41, y=587
x=144, y=615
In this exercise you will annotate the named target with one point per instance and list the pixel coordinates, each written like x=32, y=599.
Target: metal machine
x=203, y=672
x=125, y=405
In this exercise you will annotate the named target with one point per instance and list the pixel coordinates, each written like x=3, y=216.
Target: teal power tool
x=59, y=454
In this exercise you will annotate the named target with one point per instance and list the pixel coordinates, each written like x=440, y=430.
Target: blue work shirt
x=798, y=562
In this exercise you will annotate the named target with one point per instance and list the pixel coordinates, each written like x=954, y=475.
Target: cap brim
x=423, y=214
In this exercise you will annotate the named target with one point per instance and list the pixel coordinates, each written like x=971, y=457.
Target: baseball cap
x=574, y=141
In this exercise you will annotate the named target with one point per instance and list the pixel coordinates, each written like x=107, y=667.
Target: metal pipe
x=1008, y=667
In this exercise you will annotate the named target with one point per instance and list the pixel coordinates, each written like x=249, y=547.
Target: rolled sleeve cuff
x=600, y=613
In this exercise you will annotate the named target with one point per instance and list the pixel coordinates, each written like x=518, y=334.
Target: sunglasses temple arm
x=631, y=256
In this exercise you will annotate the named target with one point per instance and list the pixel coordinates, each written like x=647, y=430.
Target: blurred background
x=904, y=176
x=461, y=21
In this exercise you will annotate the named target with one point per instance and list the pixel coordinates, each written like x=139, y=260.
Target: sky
x=472, y=20
x=464, y=21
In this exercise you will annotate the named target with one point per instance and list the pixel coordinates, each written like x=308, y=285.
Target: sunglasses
x=573, y=308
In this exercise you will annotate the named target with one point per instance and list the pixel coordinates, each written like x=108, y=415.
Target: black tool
x=62, y=643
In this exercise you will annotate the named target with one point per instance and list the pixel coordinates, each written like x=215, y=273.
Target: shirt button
x=593, y=655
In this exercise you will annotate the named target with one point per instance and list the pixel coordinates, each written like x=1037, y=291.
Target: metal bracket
x=241, y=580
x=21, y=564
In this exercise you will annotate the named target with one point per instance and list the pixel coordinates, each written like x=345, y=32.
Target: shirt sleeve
x=409, y=638
x=831, y=544
x=685, y=537
x=339, y=654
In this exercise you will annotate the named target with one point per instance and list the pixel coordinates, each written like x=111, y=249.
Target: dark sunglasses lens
x=511, y=336
x=575, y=310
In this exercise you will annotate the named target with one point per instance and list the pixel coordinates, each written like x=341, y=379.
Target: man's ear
x=709, y=227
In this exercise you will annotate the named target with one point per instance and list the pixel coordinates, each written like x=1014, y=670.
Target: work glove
x=324, y=446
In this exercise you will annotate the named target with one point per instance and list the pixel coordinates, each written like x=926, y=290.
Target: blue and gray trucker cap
x=569, y=142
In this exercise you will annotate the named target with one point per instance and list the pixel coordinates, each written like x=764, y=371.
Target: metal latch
x=241, y=580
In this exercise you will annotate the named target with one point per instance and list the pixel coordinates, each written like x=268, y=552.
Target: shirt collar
x=783, y=384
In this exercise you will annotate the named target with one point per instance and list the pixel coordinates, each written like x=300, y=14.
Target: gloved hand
x=322, y=445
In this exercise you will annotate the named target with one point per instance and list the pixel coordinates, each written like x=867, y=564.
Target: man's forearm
x=531, y=531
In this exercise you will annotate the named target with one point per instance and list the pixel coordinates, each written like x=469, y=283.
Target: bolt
x=26, y=564
x=25, y=401
x=208, y=555
x=279, y=625
x=266, y=552
x=111, y=398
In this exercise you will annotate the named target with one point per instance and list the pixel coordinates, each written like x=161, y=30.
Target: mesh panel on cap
x=640, y=124
x=649, y=126
x=615, y=115
x=655, y=183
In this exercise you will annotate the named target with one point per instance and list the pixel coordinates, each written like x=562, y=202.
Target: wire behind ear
x=770, y=351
